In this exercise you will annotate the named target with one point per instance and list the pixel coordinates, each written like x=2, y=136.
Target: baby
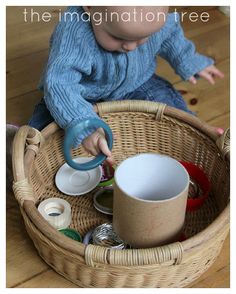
x=114, y=59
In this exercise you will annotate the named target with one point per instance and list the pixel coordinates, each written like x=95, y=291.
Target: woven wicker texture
x=137, y=127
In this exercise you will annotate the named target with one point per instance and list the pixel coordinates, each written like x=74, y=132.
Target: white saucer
x=75, y=182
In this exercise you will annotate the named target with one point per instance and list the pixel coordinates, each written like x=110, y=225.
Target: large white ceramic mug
x=150, y=196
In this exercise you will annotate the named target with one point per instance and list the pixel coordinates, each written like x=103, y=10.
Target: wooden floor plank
x=27, y=37
x=212, y=100
x=48, y=279
x=218, y=279
x=22, y=260
x=222, y=121
x=20, y=108
x=23, y=74
x=216, y=20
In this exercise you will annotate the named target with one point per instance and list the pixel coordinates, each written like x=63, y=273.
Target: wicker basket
x=138, y=127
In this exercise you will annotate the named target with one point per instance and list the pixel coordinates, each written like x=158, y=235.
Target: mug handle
x=75, y=130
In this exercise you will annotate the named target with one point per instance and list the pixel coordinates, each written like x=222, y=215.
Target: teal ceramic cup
x=72, y=132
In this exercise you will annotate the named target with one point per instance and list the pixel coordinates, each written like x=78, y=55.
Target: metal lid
x=103, y=200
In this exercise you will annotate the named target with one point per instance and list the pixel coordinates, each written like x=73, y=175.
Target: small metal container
x=104, y=235
x=103, y=200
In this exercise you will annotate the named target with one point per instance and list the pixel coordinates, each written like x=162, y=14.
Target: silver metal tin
x=103, y=200
x=104, y=235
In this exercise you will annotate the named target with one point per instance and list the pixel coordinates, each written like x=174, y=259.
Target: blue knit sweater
x=79, y=72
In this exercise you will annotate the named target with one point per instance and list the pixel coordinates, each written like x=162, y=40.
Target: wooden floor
x=27, y=48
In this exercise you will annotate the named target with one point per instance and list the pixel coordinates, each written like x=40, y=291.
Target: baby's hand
x=97, y=143
x=209, y=73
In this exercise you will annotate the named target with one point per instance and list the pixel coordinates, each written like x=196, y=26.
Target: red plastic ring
x=197, y=174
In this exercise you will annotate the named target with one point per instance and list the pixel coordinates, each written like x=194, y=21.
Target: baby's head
x=124, y=28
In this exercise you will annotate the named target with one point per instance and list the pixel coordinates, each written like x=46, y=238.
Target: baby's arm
x=63, y=91
x=68, y=61
x=68, y=108
x=208, y=73
x=181, y=54
x=63, y=97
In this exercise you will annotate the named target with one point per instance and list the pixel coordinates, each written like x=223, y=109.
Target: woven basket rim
x=146, y=107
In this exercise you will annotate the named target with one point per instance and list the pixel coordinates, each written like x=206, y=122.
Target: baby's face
x=115, y=40
x=123, y=36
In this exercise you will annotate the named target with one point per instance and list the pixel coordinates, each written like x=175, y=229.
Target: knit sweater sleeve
x=179, y=51
x=69, y=60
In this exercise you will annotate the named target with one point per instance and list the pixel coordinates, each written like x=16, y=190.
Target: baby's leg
x=159, y=90
x=41, y=116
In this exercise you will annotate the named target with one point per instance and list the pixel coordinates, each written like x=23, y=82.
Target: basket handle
x=171, y=253
x=26, y=138
x=223, y=143
x=131, y=106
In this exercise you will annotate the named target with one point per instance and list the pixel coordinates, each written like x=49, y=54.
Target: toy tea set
x=147, y=195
